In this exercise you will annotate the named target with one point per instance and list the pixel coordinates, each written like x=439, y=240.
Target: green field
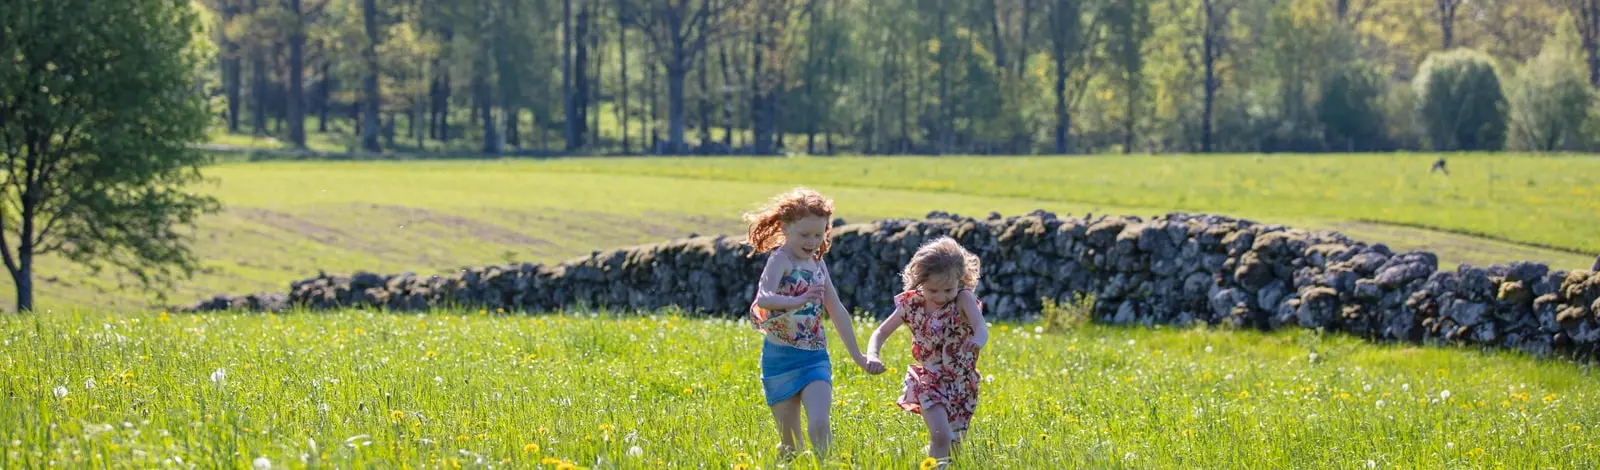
x=366, y=390
x=287, y=221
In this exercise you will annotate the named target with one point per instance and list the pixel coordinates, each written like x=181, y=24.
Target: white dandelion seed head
x=1208, y=349
x=60, y=391
x=1227, y=377
x=1366, y=388
x=219, y=376
x=1405, y=387
x=989, y=378
x=261, y=463
x=1380, y=403
x=437, y=380
x=1372, y=464
x=1449, y=445
x=1444, y=395
x=1130, y=342
x=635, y=452
x=89, y=384
x=1038, y=330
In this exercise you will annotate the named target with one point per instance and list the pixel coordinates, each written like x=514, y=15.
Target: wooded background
x=910, y=76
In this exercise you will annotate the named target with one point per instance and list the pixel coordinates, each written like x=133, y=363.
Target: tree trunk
x=296, y=99
x=580, y=70
x=231, y=68
x=1210, y=50
x=758, y=94
x=1588, y=19
x=727, y=98
x=622, y=50
x=1063, y=116
x=324, y=93
x=706, y=111
x=369, y=115
x=1446, y=10
x=258, y=83
x=597, y=89
x=569, y=104
x=675, y=132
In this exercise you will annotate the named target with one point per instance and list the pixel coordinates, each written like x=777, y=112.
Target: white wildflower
x=60, y=391
x=1038, y=330
x=261, y=463
x=89, y=384
x=218, y=376
x=635, y=452
x=1208, y=349
x=1445, y=395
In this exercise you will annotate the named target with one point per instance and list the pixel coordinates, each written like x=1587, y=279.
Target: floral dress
x=946, y=369
x=802, y=327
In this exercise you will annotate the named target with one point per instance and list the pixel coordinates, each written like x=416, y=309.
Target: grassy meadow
x=486, y=390
x=283, y=221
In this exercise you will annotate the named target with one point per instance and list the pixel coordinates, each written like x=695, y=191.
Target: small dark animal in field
x=1438, y=165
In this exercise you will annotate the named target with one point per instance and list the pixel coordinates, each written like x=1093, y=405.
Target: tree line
x=911, y=76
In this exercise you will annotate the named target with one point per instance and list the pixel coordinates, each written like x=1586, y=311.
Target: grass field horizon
x=283, y=221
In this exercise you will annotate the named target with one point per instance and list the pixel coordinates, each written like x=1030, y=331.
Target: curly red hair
x=766, y=223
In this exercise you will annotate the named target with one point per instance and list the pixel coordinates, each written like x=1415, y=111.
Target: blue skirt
x=785, y=370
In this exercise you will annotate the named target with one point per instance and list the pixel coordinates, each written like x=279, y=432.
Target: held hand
x=874, y=366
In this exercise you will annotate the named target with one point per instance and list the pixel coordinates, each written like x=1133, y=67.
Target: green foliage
x=98, y=103
x=1460, y=101
x=1350, y=111
x=1550, y=97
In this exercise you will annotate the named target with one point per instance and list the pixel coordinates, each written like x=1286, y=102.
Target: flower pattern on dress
x=801, y=327
x=945, y=371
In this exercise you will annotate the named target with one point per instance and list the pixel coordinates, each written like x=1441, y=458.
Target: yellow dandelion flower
x=397, y=415
x=463, y=438
x=929, y=463
x=1550, y=398
x=530, y=449
x=566, y=466
x=688, y=391
x=741, y=456
x=606, y=427
x=1243, y=394
x=544, y=430
x=1072, y=348
x=550, y=461
x=1575, y=427
x=163, y=317
x=742, y=466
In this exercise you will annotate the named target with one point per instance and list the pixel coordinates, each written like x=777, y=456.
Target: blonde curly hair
x=766, y=223
x=942, y=256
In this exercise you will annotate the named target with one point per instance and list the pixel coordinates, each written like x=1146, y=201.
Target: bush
x=1064, y=317
x=1460, y=101
x=1550, y=95
x=1349, y=109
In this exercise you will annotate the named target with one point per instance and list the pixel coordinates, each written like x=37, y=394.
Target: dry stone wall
x=1174, y=269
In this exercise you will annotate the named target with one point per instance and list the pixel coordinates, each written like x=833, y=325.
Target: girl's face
x=803, y=238
x=940, y=289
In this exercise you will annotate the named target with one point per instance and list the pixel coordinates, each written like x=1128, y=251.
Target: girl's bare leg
x=818, y=397
x=938, y=431
x=787, y=414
